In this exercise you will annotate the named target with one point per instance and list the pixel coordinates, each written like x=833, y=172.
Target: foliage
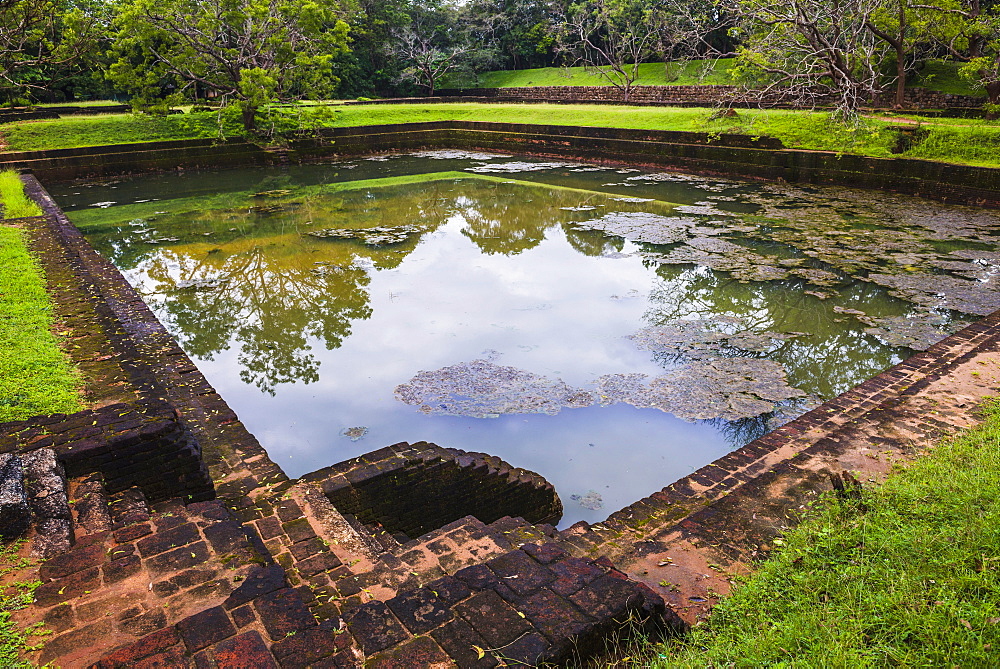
x=811, y=50
x=610, y=38
x=41, y=43
x=14, y=597
x=35, y=376
x=247, y=52
x=906, y=576
x=13, y=199
x=431, y=45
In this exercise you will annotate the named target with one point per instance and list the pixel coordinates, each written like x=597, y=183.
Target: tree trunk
x=900, y=76
x=249, y=118
x=993, y=91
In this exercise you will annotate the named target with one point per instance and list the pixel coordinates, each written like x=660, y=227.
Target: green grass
x=650, y=74
x=15, y=203
x=909, y=577
x=35, y=376
x=14, y=597
x=939, y=75
x=72, y=132
x=935, y=75
x=966, y=141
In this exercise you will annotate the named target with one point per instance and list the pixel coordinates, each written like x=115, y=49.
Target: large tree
x=610, y=38
x=433, y=44
x=812, y=51
x=41, y=43
x=248, y=52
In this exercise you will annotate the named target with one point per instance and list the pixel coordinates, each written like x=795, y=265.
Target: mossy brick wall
x=78, y=163
x=419, y=488
x=917, y=98
x=735, y=155
x=130, y=446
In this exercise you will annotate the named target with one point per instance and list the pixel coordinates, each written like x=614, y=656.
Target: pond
x=611, y=329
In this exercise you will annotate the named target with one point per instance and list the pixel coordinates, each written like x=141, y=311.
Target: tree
x=41, y=42
x=691, y=29
x=432, y=45
x=610, y=38
x=518, y=32
x=970, y=32
x=812, y=50
x=248, y=52
x=904, y=27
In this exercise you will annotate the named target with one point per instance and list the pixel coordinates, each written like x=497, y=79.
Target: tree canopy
x=248, y=55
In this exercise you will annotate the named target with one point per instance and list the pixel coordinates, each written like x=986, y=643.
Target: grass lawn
x=955, y=141
x=935, y=75
x=36, y=377
x=907, y=577
x=650, y=74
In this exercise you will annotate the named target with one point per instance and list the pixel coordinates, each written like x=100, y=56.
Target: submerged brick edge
x=313, y=609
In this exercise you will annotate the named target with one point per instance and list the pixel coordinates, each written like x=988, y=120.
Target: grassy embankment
x=960, y=141
x=35, y=375
x=908, y=575
x=935, y=75
x=35, y=378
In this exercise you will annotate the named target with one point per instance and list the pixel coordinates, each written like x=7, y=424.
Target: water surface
x=610, y=329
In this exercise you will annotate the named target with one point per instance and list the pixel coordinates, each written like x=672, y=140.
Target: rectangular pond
x=611, y=329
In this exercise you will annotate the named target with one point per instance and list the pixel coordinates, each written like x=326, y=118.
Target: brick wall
x=413, y=489
x=129, y=445
x=917, y=98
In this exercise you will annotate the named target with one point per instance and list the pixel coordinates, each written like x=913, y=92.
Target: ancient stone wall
x=691, y=96
x=130, y=446
x=733, y=155
x=273, y=574
x=414, y=489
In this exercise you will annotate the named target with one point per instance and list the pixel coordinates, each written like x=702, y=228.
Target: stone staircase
x=114, y=570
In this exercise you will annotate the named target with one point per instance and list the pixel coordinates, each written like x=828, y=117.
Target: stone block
x=45, y=484
x=149, y=645
x=260, y=581
x=283, y=612
x=121, y=568
x=73, y=561
x=449, y=589
x=493, y=618
x=527, y=650
x=555, y=617
x=53, y=536
x=519, y=572
x=608, y=597
x=132, y=532
x=309, y=645
x=226, y=536
x=206, y=628
x=93, y=635
x=318, y=563
x=460, y=641
x=144, y=623
x=68, y=587
x=421, y=651
x=15, y=515
x=243, y=616
x=545, y=553
x=245, y=651
x=165, y=540
x=573, y=574
x=419, y=610
x=375, y=627
x=177, y=559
